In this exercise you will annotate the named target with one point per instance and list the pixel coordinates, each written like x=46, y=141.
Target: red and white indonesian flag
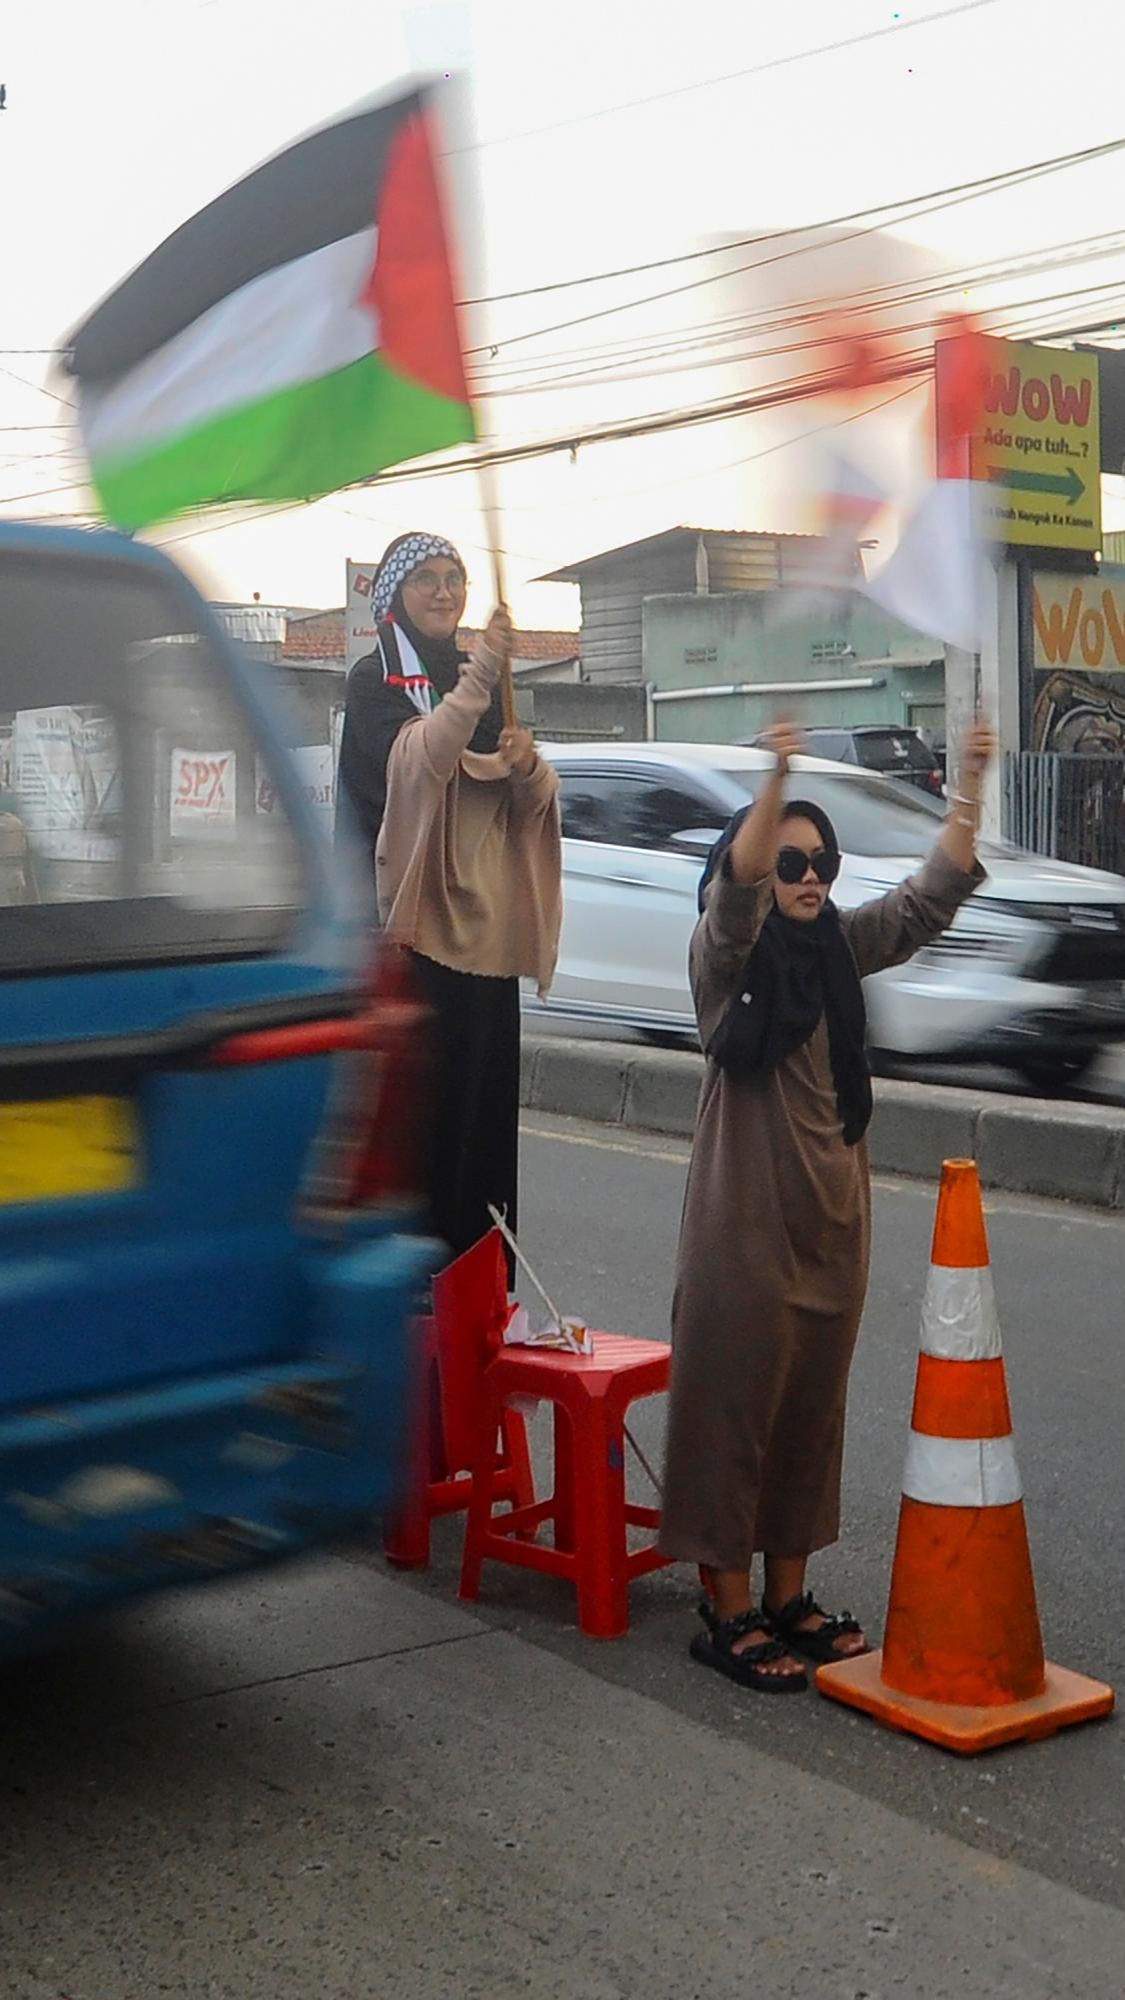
x=295, y=336
x=934, y=579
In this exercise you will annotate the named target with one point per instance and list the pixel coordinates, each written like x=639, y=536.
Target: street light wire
x=984, y=183
x=934, y=207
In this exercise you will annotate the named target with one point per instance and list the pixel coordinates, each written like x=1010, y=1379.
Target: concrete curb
x=1066, y=1152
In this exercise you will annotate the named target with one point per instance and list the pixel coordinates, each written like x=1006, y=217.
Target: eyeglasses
x=793, y=865
x=430, y=581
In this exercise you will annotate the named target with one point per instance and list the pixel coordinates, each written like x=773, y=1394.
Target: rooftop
x=321, y=635
x=668, y=537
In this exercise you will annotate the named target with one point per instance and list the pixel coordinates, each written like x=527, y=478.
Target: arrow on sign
x=1067, y=483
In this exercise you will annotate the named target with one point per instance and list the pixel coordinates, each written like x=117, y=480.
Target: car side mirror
x=697, y=840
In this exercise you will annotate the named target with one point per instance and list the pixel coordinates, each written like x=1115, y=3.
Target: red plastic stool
x=591, y=1395
x=452, y=1351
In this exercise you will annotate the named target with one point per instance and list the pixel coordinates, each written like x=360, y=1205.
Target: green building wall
x=802, y=652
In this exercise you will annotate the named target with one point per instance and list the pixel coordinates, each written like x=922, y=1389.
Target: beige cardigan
x=468, y=863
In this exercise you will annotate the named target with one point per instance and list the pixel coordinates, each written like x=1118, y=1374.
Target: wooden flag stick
x=490, y=506
x=529, y=1274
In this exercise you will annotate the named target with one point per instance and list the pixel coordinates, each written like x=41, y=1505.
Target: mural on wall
x=1079, y=676
x=1083, y=714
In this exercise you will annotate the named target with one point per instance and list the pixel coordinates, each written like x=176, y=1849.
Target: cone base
x=1067, y=1698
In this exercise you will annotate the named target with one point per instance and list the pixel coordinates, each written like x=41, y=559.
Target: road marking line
x=607, y=1145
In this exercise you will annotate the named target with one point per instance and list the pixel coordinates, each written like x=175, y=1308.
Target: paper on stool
x=571, y=1337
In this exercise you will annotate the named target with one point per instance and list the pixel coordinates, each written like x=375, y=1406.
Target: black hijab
x=795, y=973
x=377, y=708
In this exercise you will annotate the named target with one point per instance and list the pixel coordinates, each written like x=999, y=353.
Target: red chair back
x=471, y=1312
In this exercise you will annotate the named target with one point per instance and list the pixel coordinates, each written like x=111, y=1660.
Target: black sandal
x=819, y=1645
x=714, y=1647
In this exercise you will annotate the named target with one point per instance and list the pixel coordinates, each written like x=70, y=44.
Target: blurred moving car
x=881, y=749
x=204, y=1354
x=1030, y=975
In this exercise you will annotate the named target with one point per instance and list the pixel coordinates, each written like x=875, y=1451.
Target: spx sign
x=1032, y=441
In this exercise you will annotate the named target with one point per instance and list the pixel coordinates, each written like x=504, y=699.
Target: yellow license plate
x=65, y=1146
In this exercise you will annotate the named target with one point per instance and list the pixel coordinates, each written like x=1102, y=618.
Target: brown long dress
x=773, y=1257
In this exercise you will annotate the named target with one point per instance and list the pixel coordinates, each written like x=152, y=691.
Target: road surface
x=330, y=1784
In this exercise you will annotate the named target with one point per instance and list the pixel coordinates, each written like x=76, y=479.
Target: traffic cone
x=962, y=1661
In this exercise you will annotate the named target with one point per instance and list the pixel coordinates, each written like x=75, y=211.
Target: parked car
x=204, y=1361
x=876, y=747
x=1030, y=974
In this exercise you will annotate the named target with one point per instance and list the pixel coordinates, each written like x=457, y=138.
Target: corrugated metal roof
x=668, y=537
x=256, y=624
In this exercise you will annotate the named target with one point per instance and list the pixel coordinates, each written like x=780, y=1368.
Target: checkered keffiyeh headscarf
x=401, y=558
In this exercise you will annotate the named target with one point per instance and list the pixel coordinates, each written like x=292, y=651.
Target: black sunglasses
x=793, y=864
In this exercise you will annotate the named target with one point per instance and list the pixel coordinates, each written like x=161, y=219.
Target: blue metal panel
x=209, y=1389
x=101, y=1498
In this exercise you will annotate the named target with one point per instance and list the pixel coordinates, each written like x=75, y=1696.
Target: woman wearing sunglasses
x=773, y=1255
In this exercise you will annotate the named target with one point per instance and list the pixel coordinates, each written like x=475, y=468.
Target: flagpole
x=464, y=195
x=490, y=508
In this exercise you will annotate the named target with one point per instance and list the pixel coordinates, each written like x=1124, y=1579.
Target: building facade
x=703, y=561
x=720, y=669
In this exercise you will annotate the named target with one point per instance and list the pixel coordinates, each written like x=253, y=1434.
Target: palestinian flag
x=296, y=335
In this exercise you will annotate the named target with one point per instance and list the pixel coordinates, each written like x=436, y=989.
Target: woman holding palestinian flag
x=459, y=820
x=296, y=336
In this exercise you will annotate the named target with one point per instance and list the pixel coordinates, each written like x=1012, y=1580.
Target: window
x=872, y=816
x=129, y=829
x=892, y=750
x=831, y=743
x=586, y=806
x=632, y=811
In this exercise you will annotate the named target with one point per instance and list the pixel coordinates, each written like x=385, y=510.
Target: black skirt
x=473, y=1157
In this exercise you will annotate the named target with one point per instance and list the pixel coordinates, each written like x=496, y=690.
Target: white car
x=1030, y=975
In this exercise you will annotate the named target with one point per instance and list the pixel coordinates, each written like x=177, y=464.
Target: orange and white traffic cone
x=962, y=1662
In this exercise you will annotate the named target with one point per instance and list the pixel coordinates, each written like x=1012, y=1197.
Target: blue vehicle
x=209, y=1245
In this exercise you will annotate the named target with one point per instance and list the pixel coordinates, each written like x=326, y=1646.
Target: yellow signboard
x=1079, y=623
x=1034, y=442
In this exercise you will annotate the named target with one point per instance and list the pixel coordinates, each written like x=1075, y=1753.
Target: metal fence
x=1069, y=806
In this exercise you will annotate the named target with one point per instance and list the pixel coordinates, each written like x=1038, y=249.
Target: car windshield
x=136, y=822
x=871, y=815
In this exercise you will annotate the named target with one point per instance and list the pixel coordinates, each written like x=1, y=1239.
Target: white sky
x=126, y=116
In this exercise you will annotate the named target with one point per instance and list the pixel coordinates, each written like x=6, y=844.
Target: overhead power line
x=985, y=184
x=885, y=295
x=946, y=199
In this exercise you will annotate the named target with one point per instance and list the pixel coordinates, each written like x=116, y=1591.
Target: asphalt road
x=599, y=1223
x=328, y=1784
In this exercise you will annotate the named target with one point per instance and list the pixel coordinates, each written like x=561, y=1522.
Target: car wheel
x=1054, y=1073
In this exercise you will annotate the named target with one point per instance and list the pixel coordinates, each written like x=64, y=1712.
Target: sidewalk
x=1022, y=1145
x=324, y=1785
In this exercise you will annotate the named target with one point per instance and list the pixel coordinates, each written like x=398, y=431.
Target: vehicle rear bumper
x=189, y=1479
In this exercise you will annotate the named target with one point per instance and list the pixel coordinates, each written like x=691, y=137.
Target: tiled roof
x=538, y=645
x=322, y=637
x=319, y=637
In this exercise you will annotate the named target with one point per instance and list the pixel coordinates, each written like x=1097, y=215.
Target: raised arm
x=754, y=847
x=891, y=928
x=438, y=740
x=739, y=895
x=959, y=834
